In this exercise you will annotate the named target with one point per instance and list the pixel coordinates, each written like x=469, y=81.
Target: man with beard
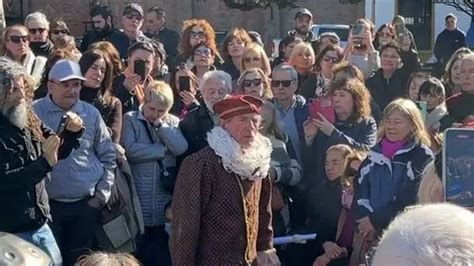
x=228, y=219
x=102, y=21
x=303, y=24
x=38, y=28
x=28, y=152
x=215, y=86
x=80, y=186
x=132, y=21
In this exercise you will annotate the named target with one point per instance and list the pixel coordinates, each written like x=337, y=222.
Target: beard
x=17, y=115
x=302, y=30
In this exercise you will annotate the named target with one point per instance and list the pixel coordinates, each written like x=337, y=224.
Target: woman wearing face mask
x=194, y=32
x=254, y=82
x=388, y=178
x=232, y=51
x=452, y=75
x=97, y=90
x=389, y=82
x=16, y=47
x=152, y=140
x=354, y=126
x=302, y=59
x=315, y=85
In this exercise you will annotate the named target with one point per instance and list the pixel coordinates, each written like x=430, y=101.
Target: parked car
x=340, y=29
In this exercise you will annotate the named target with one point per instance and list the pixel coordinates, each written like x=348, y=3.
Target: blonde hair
x=267, y=93
x=107, y=259
x=255, y=48
x=6, y=34
x=410, y=111
x=301, y=48
x=429, y=181
x=159, y=92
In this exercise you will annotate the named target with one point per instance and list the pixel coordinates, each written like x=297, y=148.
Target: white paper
x=293, y=239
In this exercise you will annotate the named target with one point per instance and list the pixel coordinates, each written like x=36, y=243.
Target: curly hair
x=322, y=54
x=186, y=49
x=236, y=33
x=107, y=259
x=360, y=95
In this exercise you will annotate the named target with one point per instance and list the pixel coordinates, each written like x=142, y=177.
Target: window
x=418, y=18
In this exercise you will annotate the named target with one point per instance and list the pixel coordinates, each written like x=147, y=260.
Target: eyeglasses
x=198, y=34
x=134, y=17
x=331, y=59
x=35, y=30
x=206, y=52
x=17, y=39
x=284, y=83
x=60, y=32
x=249, y=83
x=254, y=59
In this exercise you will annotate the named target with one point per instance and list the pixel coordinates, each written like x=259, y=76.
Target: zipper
x=153, y=213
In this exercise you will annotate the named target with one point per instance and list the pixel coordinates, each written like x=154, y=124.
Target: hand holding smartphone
x=184, y=83
x=139, y=68
x=324, y=106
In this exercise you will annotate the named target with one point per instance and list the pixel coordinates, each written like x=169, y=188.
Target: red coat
x=209, y=224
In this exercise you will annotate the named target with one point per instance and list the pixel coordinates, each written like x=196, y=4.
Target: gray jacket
x=143, y=154
x=89, y=170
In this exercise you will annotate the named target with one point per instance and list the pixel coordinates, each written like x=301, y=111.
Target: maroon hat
x=238, y=105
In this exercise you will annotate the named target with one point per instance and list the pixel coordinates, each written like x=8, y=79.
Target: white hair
x=436, y=234
x=289, y=68
x=217, y=74
x=38, y=17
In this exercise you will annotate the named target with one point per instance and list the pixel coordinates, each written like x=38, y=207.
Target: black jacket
x=93, y=36
x=121, y=42
x=385, y=90
x=129, y=100
x=23, y=198
x=170, y=40
x=447, y=43
x=195, y=127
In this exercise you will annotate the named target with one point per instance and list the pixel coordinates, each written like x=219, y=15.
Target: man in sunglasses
x=38, y=28
x=132, y=21
x=102, y=21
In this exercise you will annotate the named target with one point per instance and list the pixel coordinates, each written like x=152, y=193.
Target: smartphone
x=423, y=109
x=458, y=166
x=62, y=125
x=357, y=31
x=139, y=68
x=324, y=106
x=184, y=83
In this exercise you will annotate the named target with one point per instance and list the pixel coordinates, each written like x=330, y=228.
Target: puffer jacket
x=386, y=186
x=143, y=154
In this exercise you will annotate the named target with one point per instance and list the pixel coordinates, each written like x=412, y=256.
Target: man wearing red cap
x=221, y=204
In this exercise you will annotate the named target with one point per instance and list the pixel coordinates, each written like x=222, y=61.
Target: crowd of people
x=182, y=151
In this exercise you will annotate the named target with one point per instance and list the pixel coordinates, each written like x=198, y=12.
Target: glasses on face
x=197, y=34
x=249, y=83
x=17, y=39
x=254, y=59
x=330, y=59
x=35, y=30
x=134, y=17
x=60, y=32
x=283, y=83
x=204, y=52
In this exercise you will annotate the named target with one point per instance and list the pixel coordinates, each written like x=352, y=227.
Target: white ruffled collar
x=252, y=163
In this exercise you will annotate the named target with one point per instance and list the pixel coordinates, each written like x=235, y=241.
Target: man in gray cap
x=81, y=185
x=132, y=21
x=303, y=24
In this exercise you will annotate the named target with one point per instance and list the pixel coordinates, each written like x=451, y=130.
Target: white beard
x=17, y=115
x=252, y=163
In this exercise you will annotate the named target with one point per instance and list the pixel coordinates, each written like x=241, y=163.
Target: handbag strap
x=150, y=136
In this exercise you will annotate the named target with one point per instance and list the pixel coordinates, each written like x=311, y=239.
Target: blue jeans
x=44, y=239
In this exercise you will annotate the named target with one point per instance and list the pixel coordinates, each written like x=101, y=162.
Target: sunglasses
x=248, y=59
x=35, y=30
x=202, y=52
x=331, y=59
x=199, y=34
x=60, y=32
x=134, y=17
x=249, y=83
x=17, y=39
x=284, y=83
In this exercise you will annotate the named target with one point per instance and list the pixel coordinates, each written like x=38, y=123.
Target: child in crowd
x=413, y=85
x=433, y=93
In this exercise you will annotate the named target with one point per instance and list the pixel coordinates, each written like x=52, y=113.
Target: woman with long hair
x=232, y=51
x=254, y=82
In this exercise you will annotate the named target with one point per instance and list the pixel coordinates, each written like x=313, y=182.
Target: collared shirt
x=287, y=117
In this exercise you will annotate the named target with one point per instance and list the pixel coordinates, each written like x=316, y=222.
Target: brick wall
x=325, y=11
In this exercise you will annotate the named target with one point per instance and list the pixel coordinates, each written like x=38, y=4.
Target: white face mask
x=168, y=228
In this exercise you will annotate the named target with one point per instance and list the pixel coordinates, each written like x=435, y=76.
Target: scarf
x=42, y=48
x=390, y=148
x=252, y=163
